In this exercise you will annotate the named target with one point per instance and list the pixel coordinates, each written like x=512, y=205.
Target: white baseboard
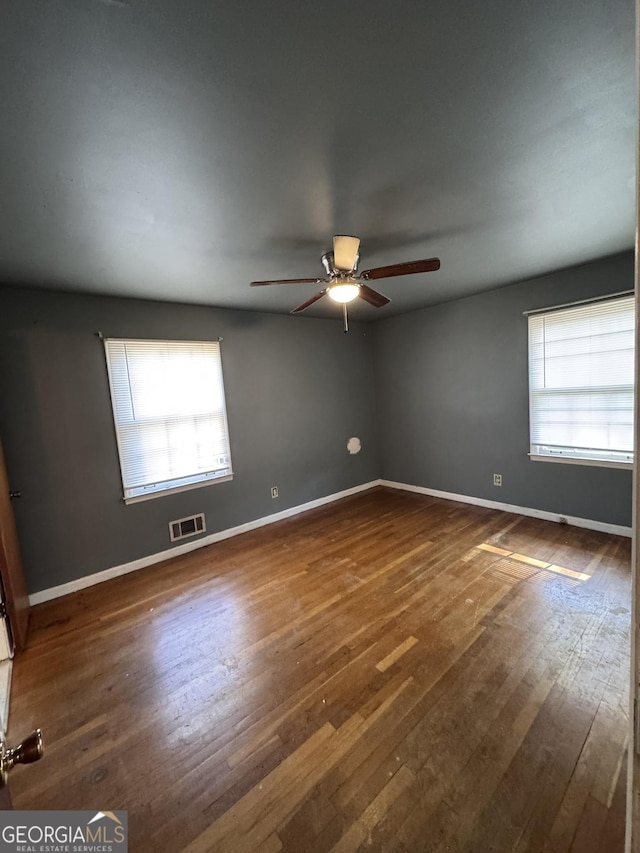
x=587, y=523
x=125, y=568
x=6, y=667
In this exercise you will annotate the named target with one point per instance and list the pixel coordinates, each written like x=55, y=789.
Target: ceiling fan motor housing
x=330, y=267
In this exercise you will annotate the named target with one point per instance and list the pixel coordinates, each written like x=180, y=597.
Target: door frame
x=14, y=585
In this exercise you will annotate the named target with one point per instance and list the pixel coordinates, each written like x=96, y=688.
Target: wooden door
x=5, y=799
x=16, y=597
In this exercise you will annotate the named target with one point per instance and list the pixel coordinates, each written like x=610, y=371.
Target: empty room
x=317, y=389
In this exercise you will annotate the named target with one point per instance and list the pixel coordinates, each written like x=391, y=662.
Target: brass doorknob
x=31, y=749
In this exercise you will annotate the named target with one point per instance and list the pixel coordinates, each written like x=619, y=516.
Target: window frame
x=569, y=453
x=158, y=487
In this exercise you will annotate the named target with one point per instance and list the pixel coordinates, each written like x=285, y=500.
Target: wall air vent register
x=185, y=527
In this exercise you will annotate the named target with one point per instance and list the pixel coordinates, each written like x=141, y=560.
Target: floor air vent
x=184, y=527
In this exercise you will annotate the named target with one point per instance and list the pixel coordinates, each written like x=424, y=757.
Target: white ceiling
x=179, y=150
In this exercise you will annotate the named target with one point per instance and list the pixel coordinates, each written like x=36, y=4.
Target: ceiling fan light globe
x=343, y=292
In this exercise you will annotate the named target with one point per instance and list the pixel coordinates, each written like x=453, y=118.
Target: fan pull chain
x=345, y=317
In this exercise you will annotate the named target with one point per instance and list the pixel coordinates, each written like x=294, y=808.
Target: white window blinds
x=169, y=412
x=581, y=378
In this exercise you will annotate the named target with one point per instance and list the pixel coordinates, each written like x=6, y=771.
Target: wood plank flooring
x=391, y=672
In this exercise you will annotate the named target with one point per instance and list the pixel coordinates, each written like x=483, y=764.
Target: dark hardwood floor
x=391, y=672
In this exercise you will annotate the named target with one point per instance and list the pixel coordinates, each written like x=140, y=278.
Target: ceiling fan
x=344, y=284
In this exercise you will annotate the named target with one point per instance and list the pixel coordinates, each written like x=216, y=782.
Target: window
x=581, y=376
x=169, y=413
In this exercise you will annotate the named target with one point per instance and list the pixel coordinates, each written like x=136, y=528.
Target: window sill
x=569, y=460
x=174, y=491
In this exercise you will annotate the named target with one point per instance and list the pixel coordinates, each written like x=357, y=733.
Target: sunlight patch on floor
x=532, y=561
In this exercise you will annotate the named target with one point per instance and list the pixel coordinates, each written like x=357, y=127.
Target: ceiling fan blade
x=372, y=296
x=345, y=252
x=309, y=302
x=286, y=281
x=408, y=268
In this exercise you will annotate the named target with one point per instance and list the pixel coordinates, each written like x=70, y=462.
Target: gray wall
x=297, y=389
x=452, y=398
x=438, y=398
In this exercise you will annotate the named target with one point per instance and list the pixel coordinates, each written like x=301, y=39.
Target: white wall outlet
x=274, y=491
x=497, y=479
